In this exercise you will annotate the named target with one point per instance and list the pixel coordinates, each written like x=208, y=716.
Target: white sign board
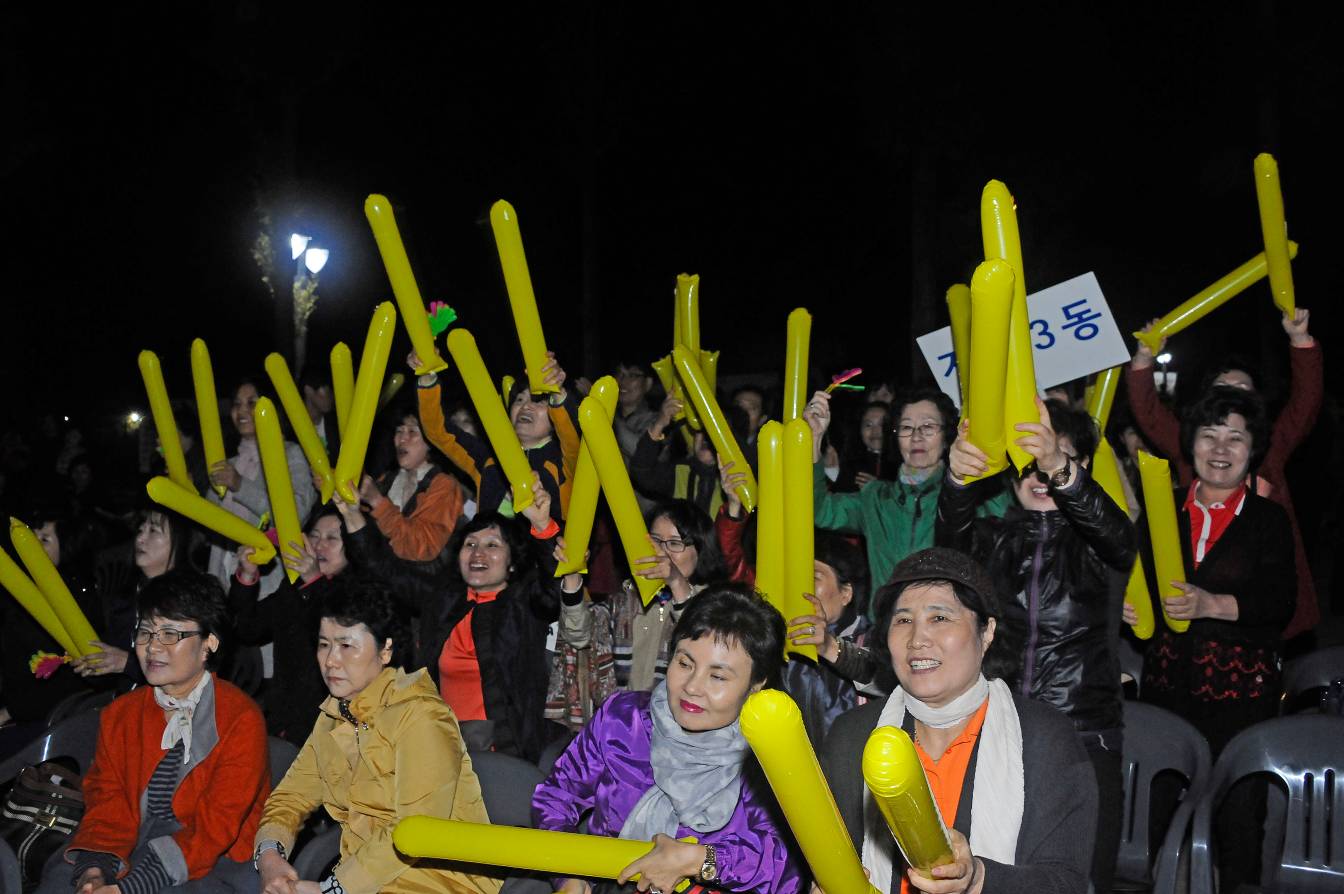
x=1072, y=335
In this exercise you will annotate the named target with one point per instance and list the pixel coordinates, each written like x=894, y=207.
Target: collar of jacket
x=391, y=686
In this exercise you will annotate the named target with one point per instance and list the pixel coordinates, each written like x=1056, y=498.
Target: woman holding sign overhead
x=1222, y=674
x=245, y=486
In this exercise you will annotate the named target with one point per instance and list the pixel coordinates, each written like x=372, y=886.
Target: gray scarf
x=697, y=777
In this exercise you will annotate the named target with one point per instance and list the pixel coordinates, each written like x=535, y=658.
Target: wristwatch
x=1061, y=477
x=263, y=847
x=709, y=872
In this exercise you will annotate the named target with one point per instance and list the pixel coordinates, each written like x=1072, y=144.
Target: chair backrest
x=75, y=737
x=11, y=874
x=507, y=784
x=1156, y=741
x=282, y=753
x=1306, y=752
x=1315, y=670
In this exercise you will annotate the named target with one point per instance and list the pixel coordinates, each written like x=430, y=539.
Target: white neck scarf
x=996, y=810
x=179, y=720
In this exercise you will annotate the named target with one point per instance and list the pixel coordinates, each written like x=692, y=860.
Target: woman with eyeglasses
x=894, y=517
x=179, y=778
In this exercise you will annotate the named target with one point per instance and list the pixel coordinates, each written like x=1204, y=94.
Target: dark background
x=831, y=159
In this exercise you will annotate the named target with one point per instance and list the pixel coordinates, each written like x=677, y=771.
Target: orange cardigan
x=219, y=801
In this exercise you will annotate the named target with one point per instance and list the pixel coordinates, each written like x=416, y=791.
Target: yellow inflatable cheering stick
x=799, y=339
x=716, y=426
x=207, y=408
x=364, y=402
x=991, y=305
x=565, y=854
x=799, y=527
x=584, y=492
x=896, y=779
x=1100, y=397
x=611, y=471
x=162, y=411
x=1160, y=502
x=206, y=514
x=1274, y=229
x=52, y=587
x=959, y=311
x=383, y=222
x=390, y=389
x=1209, y=299
x=998, y=227
x=342, y=384
x=770, y=514
x=279, y=487
x=302, y=423
x=518, y=282
x=773, y=726
x=22, y=588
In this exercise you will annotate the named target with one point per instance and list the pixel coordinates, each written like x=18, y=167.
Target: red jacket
x=1160, y=425
x=220, y=799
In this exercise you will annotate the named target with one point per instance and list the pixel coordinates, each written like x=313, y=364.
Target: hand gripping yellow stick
x=494, y=419
x=773, y=726
x=1107, y=473
x=342, y=384
x=53, y=588
x=279, y=487
x=798, y=334
x=518, y=282
x=667, y=377
x=564, y=854
x=1160, y=503
x=162, y=411
x=1275, y=231
x=716, y=426
x=998, y=228
x=799, y=530
x=390, y=389
x=383, y=222
x=896, y=779
x=22, y=588
x=1101, y=397
x=302, y=423
x=611, y=471
x=959, y=311
x=1209, y=299
x=206, y=514
x=584, y=492
x=207, y=408
x=991, y=304
x=364, y=403
x=770, y=515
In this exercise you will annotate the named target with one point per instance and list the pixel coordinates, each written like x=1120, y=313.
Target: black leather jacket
x=1062, y=577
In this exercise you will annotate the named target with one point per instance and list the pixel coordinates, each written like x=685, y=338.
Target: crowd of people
x=426, y=621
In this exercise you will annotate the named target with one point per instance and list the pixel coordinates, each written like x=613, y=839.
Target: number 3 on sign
x=1044, y=333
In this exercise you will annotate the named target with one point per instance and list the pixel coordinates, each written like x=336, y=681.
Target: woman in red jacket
x=179, y=778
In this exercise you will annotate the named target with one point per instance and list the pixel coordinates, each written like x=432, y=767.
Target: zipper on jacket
x=1033, y=611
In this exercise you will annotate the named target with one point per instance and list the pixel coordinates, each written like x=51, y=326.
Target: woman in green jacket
x=895, y=518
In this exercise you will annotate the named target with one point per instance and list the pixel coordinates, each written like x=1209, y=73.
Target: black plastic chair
x=507, y=784
x=11, y=874
x=1156, y=741
x=76, y=738
x=1306, y=752
x=1316, y=670
x=282, y=753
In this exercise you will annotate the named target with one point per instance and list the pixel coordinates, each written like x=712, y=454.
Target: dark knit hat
x=941, y=563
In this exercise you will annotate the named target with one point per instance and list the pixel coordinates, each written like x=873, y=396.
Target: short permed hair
x=185, y=595
x=1214, y=408
x=731, y=613
x=356, y=599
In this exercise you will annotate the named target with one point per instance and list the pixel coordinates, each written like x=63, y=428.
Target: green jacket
x=896, y=519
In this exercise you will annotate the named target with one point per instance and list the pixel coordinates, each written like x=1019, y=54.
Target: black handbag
x=42, y=810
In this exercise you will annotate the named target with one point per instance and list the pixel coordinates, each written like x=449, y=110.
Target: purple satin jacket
x=607, y=769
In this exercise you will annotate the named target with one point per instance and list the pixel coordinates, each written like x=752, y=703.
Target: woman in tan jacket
x=385, y=747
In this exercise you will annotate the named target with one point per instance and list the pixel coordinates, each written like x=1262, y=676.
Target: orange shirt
x=459, y=671
x=947, y=774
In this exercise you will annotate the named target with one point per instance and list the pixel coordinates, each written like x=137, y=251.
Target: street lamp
x=309, y=259
x=315, y=259
x=1167, y=380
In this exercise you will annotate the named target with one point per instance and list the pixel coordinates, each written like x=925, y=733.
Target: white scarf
x=179, y=721
x=996, y=811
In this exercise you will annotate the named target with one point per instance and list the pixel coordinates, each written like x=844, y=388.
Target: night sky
x=831, y=159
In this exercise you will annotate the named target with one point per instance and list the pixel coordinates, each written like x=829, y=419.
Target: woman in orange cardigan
x=179, y=779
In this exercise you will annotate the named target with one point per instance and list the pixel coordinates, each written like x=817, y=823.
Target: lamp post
x=1168, y=383
x=308, y=260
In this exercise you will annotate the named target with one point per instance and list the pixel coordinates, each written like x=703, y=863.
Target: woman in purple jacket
x=673, y=764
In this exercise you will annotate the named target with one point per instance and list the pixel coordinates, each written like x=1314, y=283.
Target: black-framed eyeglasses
x=168, y=636
x=672, y=546
x=926, y=430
